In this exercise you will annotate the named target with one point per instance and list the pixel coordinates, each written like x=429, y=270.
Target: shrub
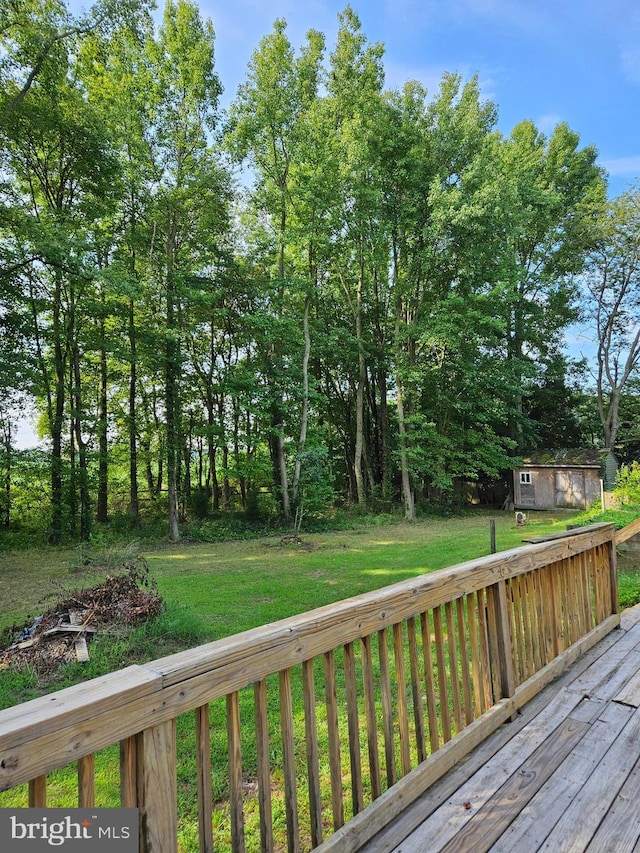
x=627, y=486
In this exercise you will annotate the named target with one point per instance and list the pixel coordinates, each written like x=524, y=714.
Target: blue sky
x=570, y=60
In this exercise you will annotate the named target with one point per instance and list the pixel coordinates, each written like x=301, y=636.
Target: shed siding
x=551, y=487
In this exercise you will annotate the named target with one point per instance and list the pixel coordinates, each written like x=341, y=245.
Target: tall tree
x=58, y=152
x=354, y=101
x=189, y=210
x=442, y=193
x=37, y=35
x=555, y=187
x=116, y=74
x=613, y=282
x=268, y=121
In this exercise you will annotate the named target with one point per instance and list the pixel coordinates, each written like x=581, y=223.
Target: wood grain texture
x=86, y=782
x=313, y=762
x=203, y=769
x=263, y=758
x=333, y=734
x=236, y=809
x=157, y=789
x=289, y=762
x=489, y=822
x=128, y=772
x=353, y=724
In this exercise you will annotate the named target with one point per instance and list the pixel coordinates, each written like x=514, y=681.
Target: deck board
x=630, y=695
x=565, y=775
x=534, y=824
x=620, y=829
x=490, y=822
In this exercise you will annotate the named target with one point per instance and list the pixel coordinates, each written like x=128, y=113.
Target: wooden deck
x=563, y=776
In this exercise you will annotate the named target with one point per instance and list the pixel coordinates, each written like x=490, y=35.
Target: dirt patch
x=62, y=633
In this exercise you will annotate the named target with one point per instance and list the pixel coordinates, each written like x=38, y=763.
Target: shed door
x=570, y=489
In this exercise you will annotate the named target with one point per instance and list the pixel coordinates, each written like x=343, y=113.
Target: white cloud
x=548, y=123
x=623, y=166
x=430, y=76
x=631, y=63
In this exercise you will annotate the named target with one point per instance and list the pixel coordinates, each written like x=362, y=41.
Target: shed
x=571, y=479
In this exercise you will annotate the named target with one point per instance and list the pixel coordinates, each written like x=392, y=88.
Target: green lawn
x=223, y=588
x=214, y=590
x=236, y=585
x=239, y=585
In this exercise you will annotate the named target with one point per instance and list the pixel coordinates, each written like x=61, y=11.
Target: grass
x=176, y=628
x=628, y=588
x=242, y=583
x=216, y=589
x=235, y=586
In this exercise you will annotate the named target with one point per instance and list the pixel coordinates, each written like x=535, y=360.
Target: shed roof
x=568, y=458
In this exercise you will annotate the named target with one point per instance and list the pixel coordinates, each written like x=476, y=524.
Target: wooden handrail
x=628, y=531
x=410, y=673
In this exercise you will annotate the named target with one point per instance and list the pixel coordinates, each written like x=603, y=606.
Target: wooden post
x=128, y=773
x=157, y=789
x=86, y=782
x=492, y=530
x=353, y=728
x=372, y=720
x=235, y=773
x=613, y=575
x=313, y=761
x=203, y=765
x=289, y=762
x=503, y=644
x=333, y=734
x=38, y=793
x=264, y=765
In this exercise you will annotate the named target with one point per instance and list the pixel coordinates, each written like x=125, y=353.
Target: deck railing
x=333, y=720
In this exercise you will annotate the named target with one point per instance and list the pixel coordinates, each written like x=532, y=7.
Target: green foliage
x=620, y=517
x=316, y=491
x=372, y=315
x=611, y=304
x=627, y=487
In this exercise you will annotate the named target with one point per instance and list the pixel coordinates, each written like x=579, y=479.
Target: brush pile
x=61, y=634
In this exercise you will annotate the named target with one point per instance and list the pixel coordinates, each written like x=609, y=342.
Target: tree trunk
x=83, y=474
x=304, y=420
x=362, y=379
x=58, y=416
x=103, y=450
x=134, y=502
x=407, y=491
x=236, y=452
x=277, y=414
x=171, y=395
x=211, y=453
x=8, y=451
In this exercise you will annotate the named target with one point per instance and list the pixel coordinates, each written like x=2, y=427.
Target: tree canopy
x=332, y=294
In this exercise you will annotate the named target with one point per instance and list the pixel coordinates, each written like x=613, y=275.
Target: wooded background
x=330, y=294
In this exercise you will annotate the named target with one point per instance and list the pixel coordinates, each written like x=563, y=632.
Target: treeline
x=331, y=293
